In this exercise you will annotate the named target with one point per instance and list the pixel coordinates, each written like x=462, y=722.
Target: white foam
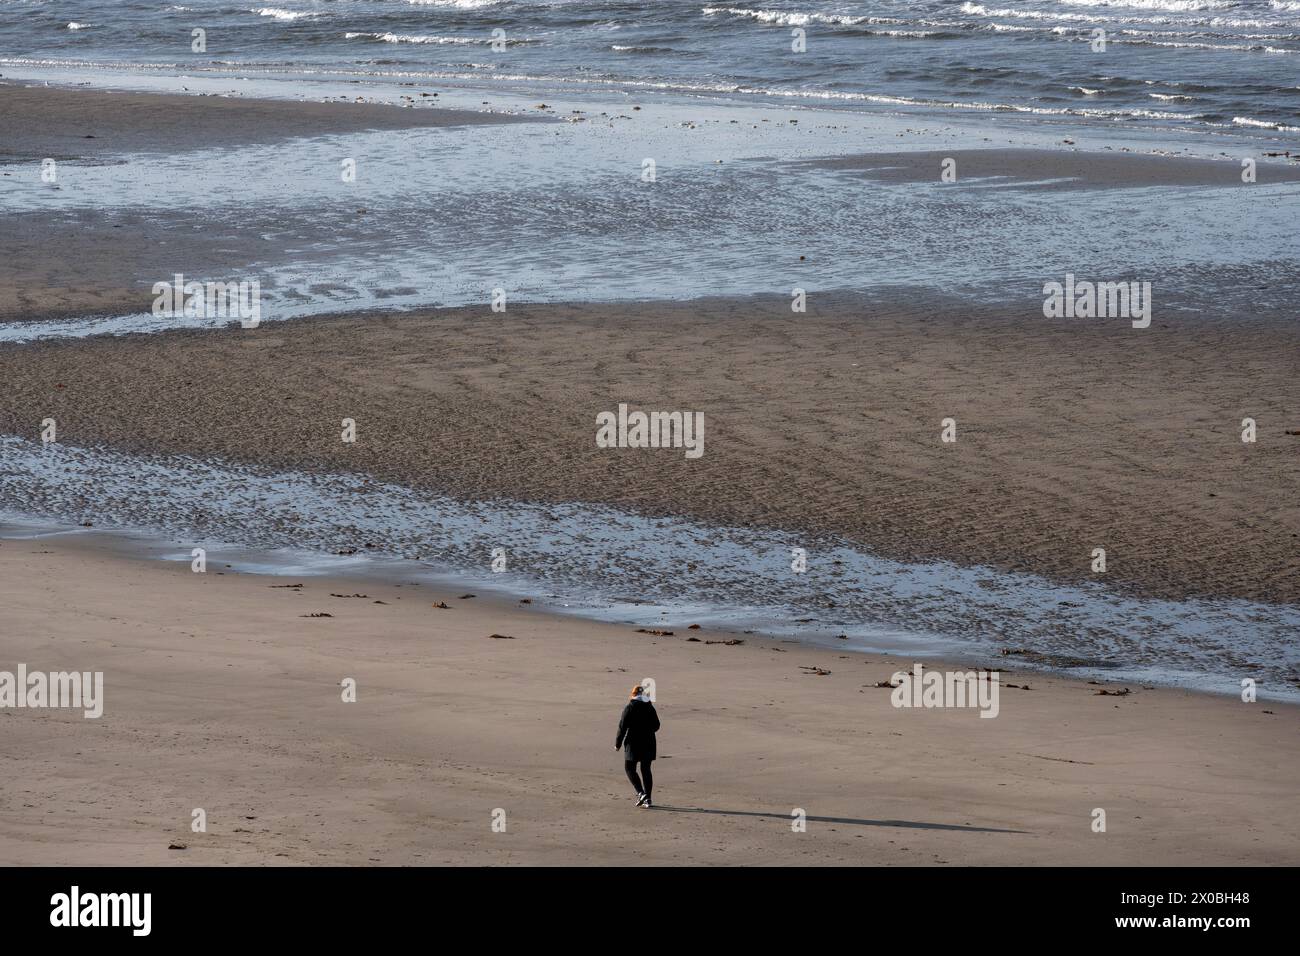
x=416, y=38
x=980, y=10
x=1171, y=5
x=1196, y=45
x=281, y=14
x=788, y=19
x=1264, y=124
x=458, y=4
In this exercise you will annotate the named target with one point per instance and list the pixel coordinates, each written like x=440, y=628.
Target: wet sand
x=220, y=694
x=1071, y=434
x=87, y=125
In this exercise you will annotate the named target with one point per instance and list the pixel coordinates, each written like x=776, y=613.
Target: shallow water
x=560, y=212
x=654, y=572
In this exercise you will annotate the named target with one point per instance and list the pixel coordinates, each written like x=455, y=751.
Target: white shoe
x=640, y=799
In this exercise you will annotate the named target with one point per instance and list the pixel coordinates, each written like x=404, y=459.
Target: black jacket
x=636, y=730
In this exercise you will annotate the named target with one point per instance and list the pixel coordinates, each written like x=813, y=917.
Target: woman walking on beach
x=636, y=735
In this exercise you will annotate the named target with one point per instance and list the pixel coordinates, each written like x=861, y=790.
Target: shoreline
x=412, y=774
x=168, y=77
x=653, y=612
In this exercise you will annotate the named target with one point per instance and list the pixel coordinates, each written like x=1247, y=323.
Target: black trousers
x=630, y=767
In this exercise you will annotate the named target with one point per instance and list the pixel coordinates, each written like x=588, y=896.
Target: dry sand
x=1072, y=434
x=220, y=694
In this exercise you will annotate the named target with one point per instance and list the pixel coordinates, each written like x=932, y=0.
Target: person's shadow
x=910, y=824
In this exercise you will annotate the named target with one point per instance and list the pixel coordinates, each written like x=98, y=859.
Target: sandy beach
x=223, y=689
x=221, y=693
